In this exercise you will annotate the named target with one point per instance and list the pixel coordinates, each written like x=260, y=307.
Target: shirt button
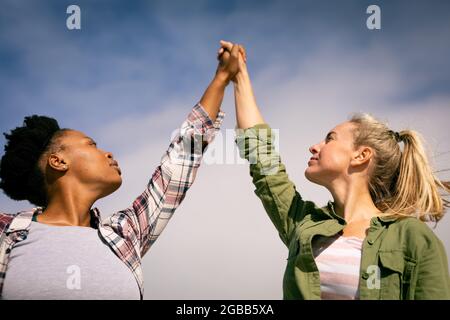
x=365, y=276
x=370, y=241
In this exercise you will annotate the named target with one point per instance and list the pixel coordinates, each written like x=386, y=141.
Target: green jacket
x=401, y=258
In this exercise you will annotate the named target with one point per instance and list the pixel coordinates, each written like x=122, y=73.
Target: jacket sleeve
x=433, y=280
x=277, y=192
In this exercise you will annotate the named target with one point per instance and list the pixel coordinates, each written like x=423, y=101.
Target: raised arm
x=247, y=111
x=273, y=186
x=141, y=224
x=226, y=70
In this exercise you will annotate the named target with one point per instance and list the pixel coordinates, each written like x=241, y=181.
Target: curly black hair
x=21, y=177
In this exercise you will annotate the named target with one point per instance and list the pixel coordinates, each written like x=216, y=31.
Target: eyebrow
x=89, y=138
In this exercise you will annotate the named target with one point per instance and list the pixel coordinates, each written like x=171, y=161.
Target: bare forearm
x=213, y=96
x=247, y=111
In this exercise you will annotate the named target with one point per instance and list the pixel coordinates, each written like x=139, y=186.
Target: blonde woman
x=370, y=242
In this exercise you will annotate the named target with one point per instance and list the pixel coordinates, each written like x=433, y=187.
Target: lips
x=312, y=159
x=115, y=165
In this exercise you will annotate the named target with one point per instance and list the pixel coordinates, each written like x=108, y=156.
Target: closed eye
x=329, y=136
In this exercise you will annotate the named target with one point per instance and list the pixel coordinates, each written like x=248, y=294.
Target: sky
x=131, y=74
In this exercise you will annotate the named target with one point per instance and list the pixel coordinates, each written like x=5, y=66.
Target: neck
x=353, y=201
x=68, y=207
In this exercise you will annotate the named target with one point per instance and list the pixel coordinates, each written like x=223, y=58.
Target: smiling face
x=331, y=158
x=81, y=160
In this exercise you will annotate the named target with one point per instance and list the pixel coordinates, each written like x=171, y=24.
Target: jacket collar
x=22, y=220
x=331, y=213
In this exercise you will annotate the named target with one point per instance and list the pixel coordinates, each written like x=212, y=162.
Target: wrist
x=241, y=77
x=221, y=78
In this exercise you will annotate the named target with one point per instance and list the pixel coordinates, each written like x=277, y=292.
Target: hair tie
x=395, y=135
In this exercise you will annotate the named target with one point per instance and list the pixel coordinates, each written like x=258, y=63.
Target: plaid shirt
x=132, y=231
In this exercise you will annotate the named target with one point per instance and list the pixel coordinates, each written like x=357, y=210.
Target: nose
x=314, y=149
x=109, y=155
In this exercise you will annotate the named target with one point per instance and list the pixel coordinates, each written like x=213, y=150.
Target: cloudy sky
x=134, y=70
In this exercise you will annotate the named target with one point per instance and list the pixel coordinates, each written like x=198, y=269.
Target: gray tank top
x=66, y=263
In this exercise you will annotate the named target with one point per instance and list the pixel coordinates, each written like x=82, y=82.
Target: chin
x=311, y=176
x=114, y=185
x=117, y=184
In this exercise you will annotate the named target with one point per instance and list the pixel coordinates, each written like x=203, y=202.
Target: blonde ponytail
x=402, y=182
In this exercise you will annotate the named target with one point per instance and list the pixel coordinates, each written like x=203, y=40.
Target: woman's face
x=332, y=156
x=88, y=165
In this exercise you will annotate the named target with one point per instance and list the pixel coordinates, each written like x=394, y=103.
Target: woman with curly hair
x=370, y=242
x=62, y=249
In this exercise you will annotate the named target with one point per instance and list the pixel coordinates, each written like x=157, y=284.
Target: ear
x=362, y=156
x=57, y=162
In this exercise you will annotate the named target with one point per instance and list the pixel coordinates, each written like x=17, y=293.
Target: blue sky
x=134, y=70
x=132, y=55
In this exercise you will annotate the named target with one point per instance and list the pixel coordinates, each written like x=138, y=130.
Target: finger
x=235, y=51
x=242, y=57
x=226, y=45
x=220, y=52
x=243, y=53
x=223, y=55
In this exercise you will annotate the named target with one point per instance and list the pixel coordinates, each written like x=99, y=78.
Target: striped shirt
x=132, y=231
x=338, y=259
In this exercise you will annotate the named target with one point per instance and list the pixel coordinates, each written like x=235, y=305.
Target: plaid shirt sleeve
x=142, y=223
